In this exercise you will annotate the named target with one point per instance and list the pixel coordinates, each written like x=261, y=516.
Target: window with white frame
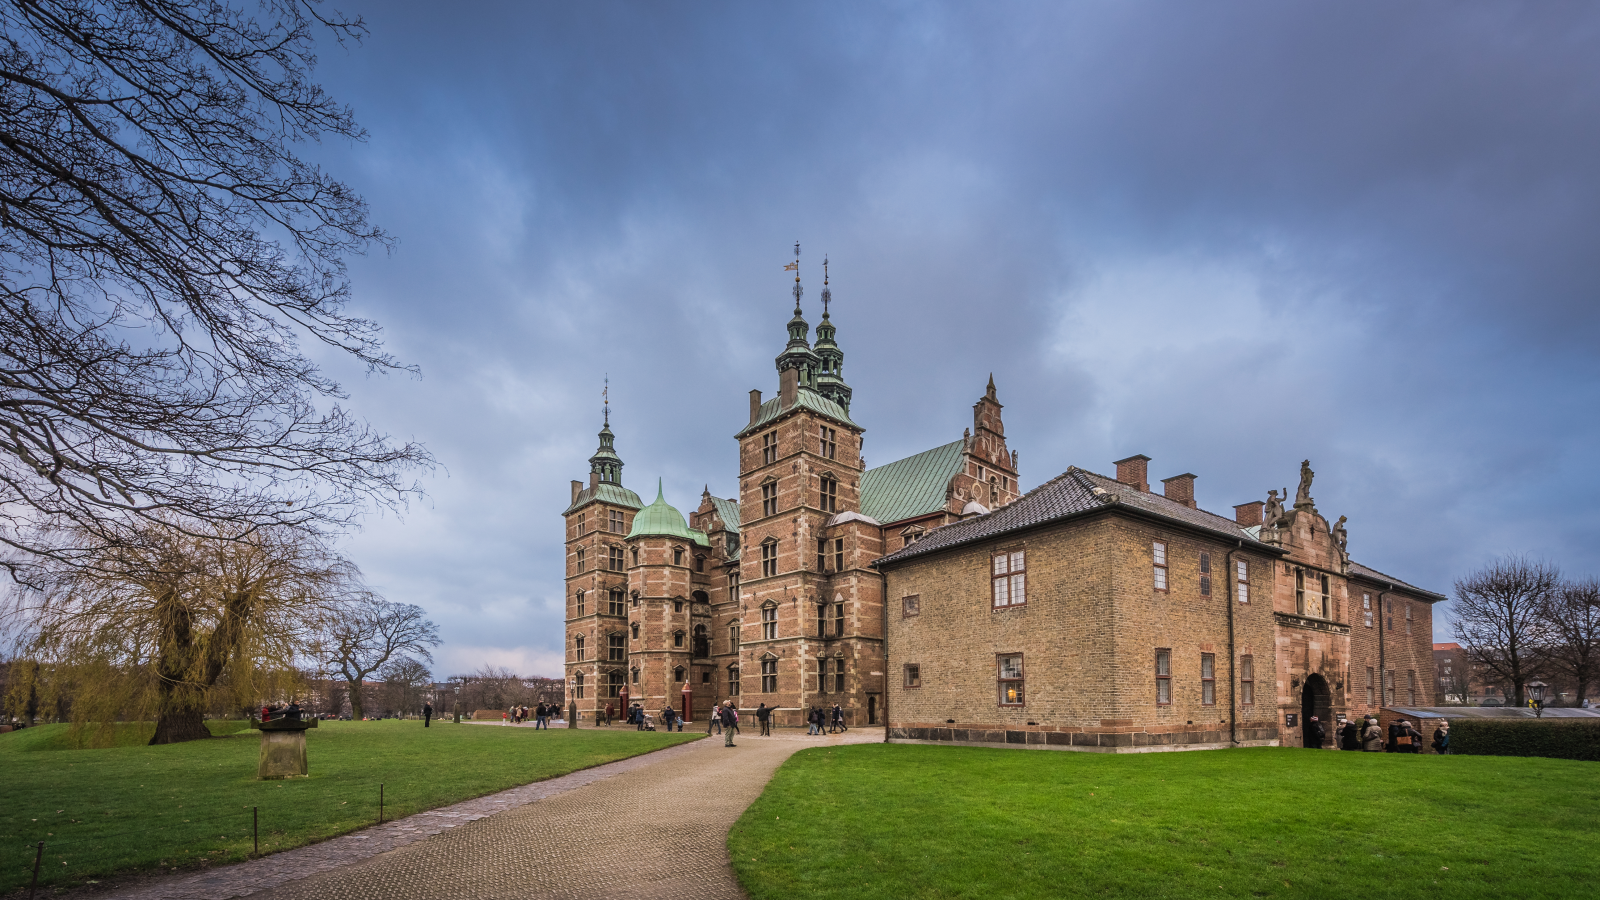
x=1247, y=680
x=1366, y=616
x=769, y=623
x=1163, y=677
x=769, y=559
x=1241, y=577
x=1009, y=578
x=1158, y=552
x=1208, y=679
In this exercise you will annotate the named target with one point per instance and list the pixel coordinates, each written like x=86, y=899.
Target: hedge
x=1552, y=738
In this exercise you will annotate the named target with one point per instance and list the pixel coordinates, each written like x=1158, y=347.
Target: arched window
x=702, y=642
x=700, y=597
x=636, y=675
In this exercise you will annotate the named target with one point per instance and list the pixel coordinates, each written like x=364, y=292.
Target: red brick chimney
x=1248, y=515
x=1179, y=489
x=1134, y=471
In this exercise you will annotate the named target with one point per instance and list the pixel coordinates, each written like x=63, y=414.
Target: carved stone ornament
x=1302, y=497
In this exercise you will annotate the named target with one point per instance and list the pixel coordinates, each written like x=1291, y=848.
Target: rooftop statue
x=1302, y=497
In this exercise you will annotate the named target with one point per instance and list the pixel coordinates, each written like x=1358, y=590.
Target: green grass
x=138, y=808
x=912, y=821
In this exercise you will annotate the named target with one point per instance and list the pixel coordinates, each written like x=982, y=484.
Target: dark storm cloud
x=1229, y=236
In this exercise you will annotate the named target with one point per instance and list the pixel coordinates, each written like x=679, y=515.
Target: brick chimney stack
x=1248, y=515
x=1134, y=471
x=1180, y=489
x=577, y=488
x=755, y=404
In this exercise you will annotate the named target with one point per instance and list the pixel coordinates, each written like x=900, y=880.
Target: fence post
x=37, y=858
x=255, y=828
x=380, y=803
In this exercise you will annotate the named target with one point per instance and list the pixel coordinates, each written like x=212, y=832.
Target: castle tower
x=669, y=616
x=830, y=359
x=597, y=521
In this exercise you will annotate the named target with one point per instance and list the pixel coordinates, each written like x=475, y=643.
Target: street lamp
x=1537, y=689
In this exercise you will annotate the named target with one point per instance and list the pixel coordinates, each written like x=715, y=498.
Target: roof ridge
x=913, y=456
x=1164, y=497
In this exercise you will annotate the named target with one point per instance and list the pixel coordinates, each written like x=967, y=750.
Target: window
x=677, y=639
x=1247, y=680
x=733, y=637
x=1241, y=577
x=699, y=563
x=838, y=554
x=616, y=521
x=1205, y=574
x=769, y=498
x=822, y=620
x=1208, y=679
x=1388, y=688
x=1163, y=677
x=733, y=681
x=580, y=603
x=1366, y=616
x=614, y=604
x=677, y=675
x=677, y=556
x=838, y=676
x=614, y=683
x=636, y=556
x=829, y=447
x=616, y=647
x=838, y=620
x=1408, y=626
x=577, y=646
x=1326, y=605
x=822, y=555
x=829, y=500
x=1371, y=685
x=705, y=677
x=635, y=628
x=769, y=623
x=1009, y=579
x=702, y=642
x=1411, y=687
x=577, y=686
x=580, y=523
x=677, y=604
x=1300, y=592
x=580, y=559
x=910, y=537
x=769, y=676
x=913, y=675
x=769, y=448
x=911, y=605
x=1010, y=678
x=822, y=676
x=1388, y=614
x=616, y=559
x=769, y=559
x=1159, y=552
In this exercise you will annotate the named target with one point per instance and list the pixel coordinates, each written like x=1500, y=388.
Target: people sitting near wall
x=291, y=712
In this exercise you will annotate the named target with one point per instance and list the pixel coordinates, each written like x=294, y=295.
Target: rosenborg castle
x=935, y=597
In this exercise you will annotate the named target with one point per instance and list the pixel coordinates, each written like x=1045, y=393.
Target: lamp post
x=1537, y=689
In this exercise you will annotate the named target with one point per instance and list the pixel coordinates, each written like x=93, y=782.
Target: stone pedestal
x=572, y=715
x=283, y=749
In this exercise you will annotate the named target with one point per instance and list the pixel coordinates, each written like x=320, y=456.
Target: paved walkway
x=653, y=826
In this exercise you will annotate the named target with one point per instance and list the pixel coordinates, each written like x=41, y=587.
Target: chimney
x=1248, y=515
x=788, y=387
x=594, y=479
x=1133, y=471
x=577, y=487
x=1179, y=489
x=755, y=404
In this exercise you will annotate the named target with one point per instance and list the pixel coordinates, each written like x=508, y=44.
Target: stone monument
x=283, y=748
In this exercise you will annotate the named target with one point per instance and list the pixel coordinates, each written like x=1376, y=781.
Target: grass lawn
x=140, y=808
x=912, y=821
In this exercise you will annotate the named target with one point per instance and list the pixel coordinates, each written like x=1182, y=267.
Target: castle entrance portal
x=1315, y=700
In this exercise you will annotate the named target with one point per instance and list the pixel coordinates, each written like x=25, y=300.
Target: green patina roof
x=661, y=519
x=728, y=512
x=606, y=492
x=911, y=487
x=805, y=398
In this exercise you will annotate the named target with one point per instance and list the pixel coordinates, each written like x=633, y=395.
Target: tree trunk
x=180, y=725
x=179, y=710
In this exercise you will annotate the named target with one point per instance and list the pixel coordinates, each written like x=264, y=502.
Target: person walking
x=764, y=720
x=1316, y=733
x=728, y=719
x=1441, y=739
x=714, y=721
x=427, y=714
x=1372, y=737
x=608, y=714
x=838, y=720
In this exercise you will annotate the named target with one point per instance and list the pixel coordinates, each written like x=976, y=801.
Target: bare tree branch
x=1498, y=621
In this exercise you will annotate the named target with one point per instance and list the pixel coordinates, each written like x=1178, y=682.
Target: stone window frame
x=635, y=672
x=677, y=604
x=1388, y=688
x=614, y=558
x=828, y=492
x=828, y=443
x=679, y=673
x=838, y=617
x=1241, y=580
x=910, y=605
x=580, y=598
x=1299, y=591
x=634, y=628
x=577, y=685
x=1205, y=573
x=733, y=679
x=769, y=497
x=616, y=521
x=1163, y=669
x=616, y=602
x=1327, y=596
x=822, y=554
x=616, y=647
x=1372, y=685
x=769, y=621
x=769, y=674
x=699, y=562
x=578, y=642
x=913, y=675
x=1247, y=680
x=1160, y=556
x=705, y=676
x=822, y=621
x=1002, y=682
x=1208, y=683
x=769, y=557
x=838, y=672
x=581, y=557
x=580, y=524
x=769, y=447
x=733, y=635
x=616, y=680
x=1366, y=609
x=838, y=555
x=678, y=638
x=677, y=556
x=635, y=597
x=1005, y=556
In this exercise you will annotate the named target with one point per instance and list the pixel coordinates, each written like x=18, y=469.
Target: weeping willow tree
x=163, y=623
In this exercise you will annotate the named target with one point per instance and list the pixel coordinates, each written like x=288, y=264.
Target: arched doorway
x=1315, y=700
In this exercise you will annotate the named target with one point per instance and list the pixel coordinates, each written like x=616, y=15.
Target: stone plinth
x=283, y=748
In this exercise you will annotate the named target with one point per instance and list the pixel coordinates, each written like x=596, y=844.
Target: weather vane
x=605, y=397
x=827, y=295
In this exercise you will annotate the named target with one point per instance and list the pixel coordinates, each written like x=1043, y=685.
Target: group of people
x=724, y=719
x=1368, y=736
x=820, y=720
x=542, y=714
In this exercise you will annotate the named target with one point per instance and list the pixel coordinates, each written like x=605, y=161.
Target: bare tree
x=163, y=254
x=1571, y=616
x=1498, y=619
x=405, y=680
x=367, y=640
x=159, y=624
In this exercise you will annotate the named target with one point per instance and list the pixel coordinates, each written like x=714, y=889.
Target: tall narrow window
x=769, y=559
x=699, y=563
x=1388, y=688
x=838, y=620
x=1208, y=679
x=616, y=559
x=580, y=603
x=733, y=681
x=838, y=554
x=677, y=639
x=830, y=446
x=769, y=623
x=822, y=620
x=1371, y=685
x=1205, y=574
x=1247, y=680
x=838, y=676
x=733, y=637
x=616, y=647
x=1241, y=577
x=677, y=556
x=1010, y=578
x=580, y=522
x=829, y=499
x=769, y=448
x=635, y=628
x=577, y=647
x=822, y=554
x=614, y=603
x=769, y=498
x=580, y=554
x=577, y=686
x=1159, y=554
x=1010, y=679
x=636, y=556
x=616, y=520
x=1163, y=677
x=1366, y=616
x=1300, y=592
x=913, y=675
x=677, y=675
x=1327, y=604
x=1411, y=687
x=769, y=676
x=1408, y=622
x=636, y=675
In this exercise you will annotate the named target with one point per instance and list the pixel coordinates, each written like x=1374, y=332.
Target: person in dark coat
x=1413, y=738
x=764, y=719
x=608, y=714
x=728, y=721
x=1441, y=739
x=427, y=715
x=1351, y=734
x=1316, y=732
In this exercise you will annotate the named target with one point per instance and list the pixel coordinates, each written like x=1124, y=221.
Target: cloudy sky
x=1227, y=236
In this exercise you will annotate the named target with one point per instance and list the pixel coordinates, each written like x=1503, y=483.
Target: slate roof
x=1068, y=495
x=728, y=512
x=1361, y=571
x=605, y=491
x=805, y=398
x=914, y=486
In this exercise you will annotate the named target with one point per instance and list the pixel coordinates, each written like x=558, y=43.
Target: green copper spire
x=797, y=353
x=830, y=359
x=605, y=462
x=661, y=519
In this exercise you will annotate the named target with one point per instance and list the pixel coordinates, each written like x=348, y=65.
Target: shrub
x=1552, y=738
